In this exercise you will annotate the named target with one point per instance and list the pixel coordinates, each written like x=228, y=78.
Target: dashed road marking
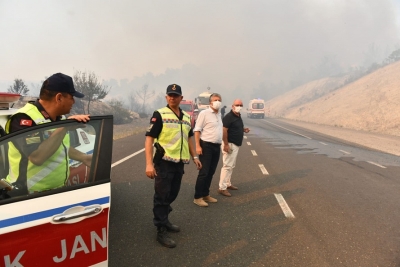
x=323, y=143
x=253, y=152
x=289, y=130
x=343, y=151
x=248, y=143
x=263, y=169
x=245, y=137
x=126, y=158
x=284, y=206
x=376, y=164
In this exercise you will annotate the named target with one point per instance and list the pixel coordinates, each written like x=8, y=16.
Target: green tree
x=88, y=83
x=19, y=87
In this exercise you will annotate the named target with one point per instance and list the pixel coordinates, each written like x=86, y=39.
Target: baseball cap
x=174, y=89
x=62, y=83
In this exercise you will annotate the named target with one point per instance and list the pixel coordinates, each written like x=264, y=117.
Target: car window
x=186, y=107
x=73, y=160
x=258, y=105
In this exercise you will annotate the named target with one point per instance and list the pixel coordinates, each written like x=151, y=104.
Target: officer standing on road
x=170, y=127
x=232, y=137
x=208, y=135
x=27, y=160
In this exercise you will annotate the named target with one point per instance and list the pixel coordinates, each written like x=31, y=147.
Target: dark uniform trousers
x=166, y=186
x=209, y=160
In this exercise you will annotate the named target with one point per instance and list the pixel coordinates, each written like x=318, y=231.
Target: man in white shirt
x=208, y=137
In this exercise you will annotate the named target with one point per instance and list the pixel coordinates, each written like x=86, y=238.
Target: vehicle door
x=64, y=226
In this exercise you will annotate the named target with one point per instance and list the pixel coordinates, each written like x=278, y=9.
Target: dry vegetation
x=370, y=103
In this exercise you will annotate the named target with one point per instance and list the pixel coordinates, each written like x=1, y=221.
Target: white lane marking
x=343, y=151
x=126, y=158
x=376, y=164
x=323, y=143
x=253, y=152
x=245, y=137
x=289, y=130
x=248, y=143
x=284, y=206
x=263, y=169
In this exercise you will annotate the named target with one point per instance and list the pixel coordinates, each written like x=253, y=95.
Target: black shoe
x=164, y=239
x=172, y=228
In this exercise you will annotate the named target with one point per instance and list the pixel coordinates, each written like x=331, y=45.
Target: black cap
x=62, y=83
x=174, y=89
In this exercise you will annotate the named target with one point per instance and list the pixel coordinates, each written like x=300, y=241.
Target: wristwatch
x=195, y=158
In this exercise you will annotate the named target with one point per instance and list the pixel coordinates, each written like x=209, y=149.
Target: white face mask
x=237, y=109
x=216, y=104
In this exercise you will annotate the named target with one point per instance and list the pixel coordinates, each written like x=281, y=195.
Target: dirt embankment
x=369, y=104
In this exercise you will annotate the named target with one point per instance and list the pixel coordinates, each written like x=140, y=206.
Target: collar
x=43, y=111
x=213, y=110
x=234, y=114
x=180, y=112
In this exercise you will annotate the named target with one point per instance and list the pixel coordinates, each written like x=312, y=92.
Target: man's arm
x=199, y=150
x=75, y=154
x=197, y=132
x=193, y=153
x=152, y=133
x=48, y=147
x=148, y=148
x=225, y=139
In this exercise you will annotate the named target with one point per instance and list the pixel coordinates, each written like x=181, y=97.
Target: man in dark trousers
x=232, y=138
x=208, y=136
x=170, y=131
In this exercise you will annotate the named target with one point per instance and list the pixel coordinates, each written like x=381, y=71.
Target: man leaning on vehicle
x=38, y=165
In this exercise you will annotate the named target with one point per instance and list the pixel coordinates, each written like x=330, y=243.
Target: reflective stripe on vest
x=52, y=173
x=174, y=136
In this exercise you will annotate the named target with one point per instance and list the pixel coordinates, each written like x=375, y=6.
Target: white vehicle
x=203, y=100
x=256, y=109
x=65, y=226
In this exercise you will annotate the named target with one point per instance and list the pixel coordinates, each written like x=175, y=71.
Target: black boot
x=172, y=228
x=163, y=238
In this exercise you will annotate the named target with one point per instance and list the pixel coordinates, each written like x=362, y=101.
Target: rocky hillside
x=370, y=103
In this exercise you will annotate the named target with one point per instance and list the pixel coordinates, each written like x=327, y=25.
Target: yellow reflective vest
x=174, y=136
x=53, y=173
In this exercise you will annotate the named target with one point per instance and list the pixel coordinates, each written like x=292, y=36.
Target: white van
x=256, y=109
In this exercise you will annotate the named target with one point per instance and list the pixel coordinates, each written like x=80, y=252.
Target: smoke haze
x=231, y=46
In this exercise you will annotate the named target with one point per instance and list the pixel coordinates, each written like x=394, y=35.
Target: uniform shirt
x=235, y=126
x=209, y=123
x=156, y=124
x=21, y=121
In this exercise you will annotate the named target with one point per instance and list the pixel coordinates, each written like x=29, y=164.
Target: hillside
x=369, y=104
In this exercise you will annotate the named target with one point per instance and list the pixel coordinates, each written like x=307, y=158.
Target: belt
x=215, y=144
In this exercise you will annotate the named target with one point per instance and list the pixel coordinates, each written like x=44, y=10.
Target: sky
x=230, y=46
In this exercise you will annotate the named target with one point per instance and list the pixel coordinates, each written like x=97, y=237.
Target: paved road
x=324, y=202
